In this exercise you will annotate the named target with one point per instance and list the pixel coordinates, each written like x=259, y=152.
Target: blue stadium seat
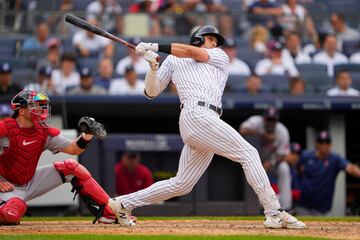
x=7, y=47
x=80, y=5
x=343, y=6
x=249, y=56
x=351, y=47
x=315, y=76
x=350, y=67
x=276, y=83
x=235, y=83
x=356, y=80
x=16, y=62
x=23, y=76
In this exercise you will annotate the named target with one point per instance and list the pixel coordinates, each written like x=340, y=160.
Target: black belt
x=216, y=109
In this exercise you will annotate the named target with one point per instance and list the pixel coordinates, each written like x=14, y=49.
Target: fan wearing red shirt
x=131, y=175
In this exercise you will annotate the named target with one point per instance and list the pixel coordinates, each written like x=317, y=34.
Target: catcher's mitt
x=90, y=126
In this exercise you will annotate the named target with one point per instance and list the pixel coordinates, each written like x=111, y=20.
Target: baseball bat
x=95, y=29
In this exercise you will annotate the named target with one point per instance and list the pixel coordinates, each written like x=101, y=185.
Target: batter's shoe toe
x=283, y=220
x=124, y=216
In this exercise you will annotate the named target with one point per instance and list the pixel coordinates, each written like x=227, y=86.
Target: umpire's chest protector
x=18, y=162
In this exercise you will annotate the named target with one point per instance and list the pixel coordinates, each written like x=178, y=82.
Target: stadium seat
x=23, y=76
x=343, y=6
x=235, y=83
x=80, y=5
x=356, y=80
x=16, y=62
x=351, y=47
x=276, y=83
x=350, y=67
x=249, y=56
x=7, y=47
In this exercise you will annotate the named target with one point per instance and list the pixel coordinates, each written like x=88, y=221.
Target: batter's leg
x=192, y=165
x=284, y=183
x=210, y=133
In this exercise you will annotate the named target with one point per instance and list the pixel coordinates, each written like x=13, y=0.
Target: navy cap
x=230, y=43
x=45, y=71
x=323, y=136
x=5, y=68
x=129, y=68
x=85, y=72
x=295, y=148
x=5, y=110
x=271, y=114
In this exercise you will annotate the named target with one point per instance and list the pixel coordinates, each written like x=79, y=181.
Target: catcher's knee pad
x=88, y=189
x=12, y=211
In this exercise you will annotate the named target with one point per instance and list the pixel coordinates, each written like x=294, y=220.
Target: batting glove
x=142, y=47
x=152, y=57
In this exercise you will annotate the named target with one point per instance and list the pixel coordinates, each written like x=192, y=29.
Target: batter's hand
x=142, y=47
x=152, y=57
x=6, y=187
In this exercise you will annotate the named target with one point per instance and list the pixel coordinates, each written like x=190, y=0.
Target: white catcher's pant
x=204, y=134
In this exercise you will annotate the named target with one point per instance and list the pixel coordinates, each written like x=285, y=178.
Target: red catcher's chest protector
x=19, y=161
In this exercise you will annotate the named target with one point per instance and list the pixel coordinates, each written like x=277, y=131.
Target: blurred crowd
x=280, y=51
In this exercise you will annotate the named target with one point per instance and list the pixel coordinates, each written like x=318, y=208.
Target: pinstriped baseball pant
x=204, y=134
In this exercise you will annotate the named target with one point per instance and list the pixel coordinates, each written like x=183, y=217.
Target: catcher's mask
x=37, y=103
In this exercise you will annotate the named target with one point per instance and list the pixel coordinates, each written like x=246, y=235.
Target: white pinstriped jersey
x=197, y=80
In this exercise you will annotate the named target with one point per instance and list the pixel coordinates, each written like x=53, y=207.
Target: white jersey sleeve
x=218, y=58
x=254, y=123
x=282, y=140
x=165, y=72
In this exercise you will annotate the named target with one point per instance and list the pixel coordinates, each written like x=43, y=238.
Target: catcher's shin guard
x=11, y=211
x=88, y=189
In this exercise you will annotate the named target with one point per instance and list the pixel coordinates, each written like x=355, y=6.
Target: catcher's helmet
x=37, y=103
x=197, y=38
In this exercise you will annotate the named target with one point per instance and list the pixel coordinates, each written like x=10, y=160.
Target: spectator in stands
x=131, y=175
x=253, y=85
x=355, y=58
x=43, y=81
x=258, y=38
x=342, y=31
x=140, y=64
x=39, y=41
x=274, y=146
x=329, y=56
x=343, y=86
x=86, y=86
x=236, y=66
x=53, y=55
x=66, y=77
x=318, y=171
x=105, y=11
x=90, y=45
x=274, y=64
x=56, y=19
x=297, y=86
x=105, y=73
x=150, y=7
x=296, y=18
x=129, y=85
x=6, y=85
x=118, y=29
x=5, y=111
x=263, y=12
x=293, y=51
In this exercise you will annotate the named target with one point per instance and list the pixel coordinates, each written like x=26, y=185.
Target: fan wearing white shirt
x=355, y=58
x=274, y=64
x=104, y=10
x=140, y=64
x=66, y=77
x=89, y=44
x=343, y=88
x=293, y=51
x=236, y=65
x=329, y=56
x=129, y=85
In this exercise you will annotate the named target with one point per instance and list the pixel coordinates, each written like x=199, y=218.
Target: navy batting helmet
x=197, y=38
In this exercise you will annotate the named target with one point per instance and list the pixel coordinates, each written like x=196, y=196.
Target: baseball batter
x=199, y=73
x=23, y=138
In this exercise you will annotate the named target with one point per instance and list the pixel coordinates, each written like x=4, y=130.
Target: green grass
x=249, y=218
x=145, y=237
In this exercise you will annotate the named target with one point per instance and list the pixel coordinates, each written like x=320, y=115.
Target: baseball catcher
x=23, y=138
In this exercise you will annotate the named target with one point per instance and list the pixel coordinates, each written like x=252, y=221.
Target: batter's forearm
x=187, y=51
x=152, y=84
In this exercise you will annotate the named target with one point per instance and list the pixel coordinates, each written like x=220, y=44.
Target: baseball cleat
x=124, y=216
x=283, y=220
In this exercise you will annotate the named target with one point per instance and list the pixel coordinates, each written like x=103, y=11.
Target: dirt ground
x=332, y=230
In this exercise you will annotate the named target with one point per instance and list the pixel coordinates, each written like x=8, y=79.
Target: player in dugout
x=23, y=138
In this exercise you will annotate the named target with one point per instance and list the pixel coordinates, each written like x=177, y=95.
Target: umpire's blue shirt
x=318, y=180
